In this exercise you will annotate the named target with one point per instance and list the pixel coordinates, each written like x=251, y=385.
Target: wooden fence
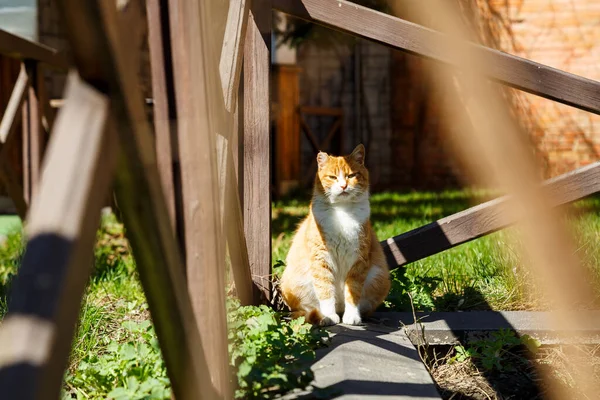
x=184, y=205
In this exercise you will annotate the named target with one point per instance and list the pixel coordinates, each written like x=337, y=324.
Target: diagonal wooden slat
x=35, y=336
x=232, y=53
x=103, y=58
x=483, y=219
x=507, y=69
x=17, y=97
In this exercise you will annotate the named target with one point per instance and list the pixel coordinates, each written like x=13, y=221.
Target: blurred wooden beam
x=483, y=219
x=37, y=332
x=516, y=72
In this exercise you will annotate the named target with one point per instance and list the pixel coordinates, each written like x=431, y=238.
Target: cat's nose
x=344, y=185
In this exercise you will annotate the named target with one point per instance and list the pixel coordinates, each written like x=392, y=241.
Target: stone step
x=447, y=328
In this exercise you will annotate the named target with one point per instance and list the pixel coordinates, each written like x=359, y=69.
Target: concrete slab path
x=369, y=362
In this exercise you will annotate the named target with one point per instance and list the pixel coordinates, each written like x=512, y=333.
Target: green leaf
x=128, y=352
x=132, y=383
x=131, y=326
x=531, y=343
x=119, y=394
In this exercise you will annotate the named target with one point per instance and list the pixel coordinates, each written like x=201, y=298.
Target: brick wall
x=564, y=34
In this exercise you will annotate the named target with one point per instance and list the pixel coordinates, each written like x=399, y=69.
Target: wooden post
x=200, y=115
x=257, y=144
x=33, y=133
x=162, y=92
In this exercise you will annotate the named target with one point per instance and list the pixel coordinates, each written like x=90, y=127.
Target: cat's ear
x=358, y=154
x=322, y=158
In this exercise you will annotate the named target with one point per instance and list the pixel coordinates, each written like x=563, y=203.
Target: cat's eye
x=332, y=177
x=353, y=175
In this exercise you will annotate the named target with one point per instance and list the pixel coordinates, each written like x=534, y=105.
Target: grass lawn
x=115, y=353
x=482, y=274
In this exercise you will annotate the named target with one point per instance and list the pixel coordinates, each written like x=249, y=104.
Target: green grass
x=115, y=353
x=482, y=274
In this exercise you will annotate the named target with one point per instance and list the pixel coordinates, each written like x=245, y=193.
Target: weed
x=271, y=355
x=497, y=351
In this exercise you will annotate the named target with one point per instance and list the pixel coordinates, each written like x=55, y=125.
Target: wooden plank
x=257, y=145
x=7, y=131
x=287, y=154
x=516, y=72
x=200, y=115
x=233, y=222
x=36, y=136
x=483, y=219
x=232, y=53
x=17, y=47
x=36, y=333
x=157, y=12
x=93, y=25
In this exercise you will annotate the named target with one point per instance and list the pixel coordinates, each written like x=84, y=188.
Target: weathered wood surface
x=233, y=222
x=23, y=49
x=7, y=132
x=157, y=12
x=232, y=53
x=257, y=145
x=483, y=219
x=36, y=334
x=199, y=117
x=103, y=58
x=507, y=69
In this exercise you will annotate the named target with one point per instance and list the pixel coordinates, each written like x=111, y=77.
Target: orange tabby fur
x=336, y=264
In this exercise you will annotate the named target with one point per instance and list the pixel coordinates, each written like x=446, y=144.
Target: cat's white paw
x=351, y=316
x=329, y=320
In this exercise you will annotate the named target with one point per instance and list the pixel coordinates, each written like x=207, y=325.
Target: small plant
x=406, y=286
x=270, y=355
x=129, y=369
x=498, y=352
x=112, y=252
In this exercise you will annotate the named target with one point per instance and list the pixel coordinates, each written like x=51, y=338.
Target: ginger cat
x=336, y=264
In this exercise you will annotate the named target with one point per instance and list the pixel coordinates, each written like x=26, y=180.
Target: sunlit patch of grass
x=482, y=274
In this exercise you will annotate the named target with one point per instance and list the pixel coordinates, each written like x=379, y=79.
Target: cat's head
x=342, y=179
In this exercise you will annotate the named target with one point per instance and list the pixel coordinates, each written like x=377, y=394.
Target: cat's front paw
x=329, y=320
x=351, y=316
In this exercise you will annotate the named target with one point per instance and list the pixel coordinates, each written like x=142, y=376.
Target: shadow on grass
x=385, y=207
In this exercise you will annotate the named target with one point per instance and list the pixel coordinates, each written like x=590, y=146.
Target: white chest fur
x=342, y=225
